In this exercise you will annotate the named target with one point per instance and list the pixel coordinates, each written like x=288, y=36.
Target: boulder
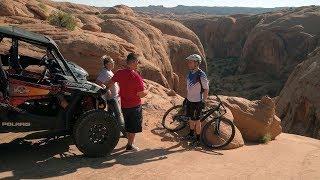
x=157, y=47
x=14, y=8
x=89, y=19
x=175, y=28
x=72, y=7
x=222, y=37
x=92, y=27
x=298, y=104
x=146, y=38
x=6, y=8
x=120, y=9
x=179, y=49
x=280, y=41
x=39, y=12
x=255, y=119
x=274, y=50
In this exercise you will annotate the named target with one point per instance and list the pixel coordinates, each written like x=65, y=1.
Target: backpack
x=202, y=106
x=199, y=80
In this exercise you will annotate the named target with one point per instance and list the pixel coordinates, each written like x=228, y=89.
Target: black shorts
x=193, y=110
x=133, y=119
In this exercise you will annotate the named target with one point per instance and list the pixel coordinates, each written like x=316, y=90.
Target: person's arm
x=205, y=94
x=108, y=93
x=109, y=84
x=205, y=85
x=113, y=80
x=141, y=92
x=99, y=82
x=101, y=79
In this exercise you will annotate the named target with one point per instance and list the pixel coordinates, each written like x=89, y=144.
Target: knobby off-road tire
x=169, y=123
x=96, y=133
x=211, y=139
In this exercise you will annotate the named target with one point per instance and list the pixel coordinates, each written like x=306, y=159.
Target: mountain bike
x=218, y=132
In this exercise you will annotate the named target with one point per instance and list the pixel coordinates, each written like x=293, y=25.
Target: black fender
x=73, y=106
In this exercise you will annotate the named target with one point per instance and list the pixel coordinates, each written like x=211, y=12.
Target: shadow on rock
x=51, y=157
x=177, y=137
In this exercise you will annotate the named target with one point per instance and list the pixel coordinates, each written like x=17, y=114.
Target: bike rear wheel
x=172, y=119
x=218, y=136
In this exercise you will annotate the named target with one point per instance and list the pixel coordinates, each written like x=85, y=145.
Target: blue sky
x=171, y=3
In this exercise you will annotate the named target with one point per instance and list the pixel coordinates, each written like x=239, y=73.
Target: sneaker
x=132, y=148
x=188, y=137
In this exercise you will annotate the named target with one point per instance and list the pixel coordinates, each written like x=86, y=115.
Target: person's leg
x=190, y=114
x=192, y=127
x=134, y=125
x=198, y=129
x=114, y=106
x=127, y=119
x=131, y=137
x=198, y=122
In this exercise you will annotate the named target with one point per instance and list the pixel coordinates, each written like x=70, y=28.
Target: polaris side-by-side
x=49, y=93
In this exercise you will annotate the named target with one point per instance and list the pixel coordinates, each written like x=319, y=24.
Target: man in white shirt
x=112, y=96
x=197, y=94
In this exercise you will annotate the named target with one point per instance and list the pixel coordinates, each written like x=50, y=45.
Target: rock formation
x=115, y=31
x=266, y=45
x=298, y=104
x=255, y=119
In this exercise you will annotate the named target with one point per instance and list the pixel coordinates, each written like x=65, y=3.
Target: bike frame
x=219, y=110
x=207, y=113
x=211, y=111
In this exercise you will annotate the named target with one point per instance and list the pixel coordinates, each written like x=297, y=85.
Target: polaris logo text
x=16, y=124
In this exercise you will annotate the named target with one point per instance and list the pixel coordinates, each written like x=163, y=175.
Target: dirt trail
x=289, y=157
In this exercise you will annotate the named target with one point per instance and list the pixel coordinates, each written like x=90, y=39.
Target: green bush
x=62, y=19
x=265, y=139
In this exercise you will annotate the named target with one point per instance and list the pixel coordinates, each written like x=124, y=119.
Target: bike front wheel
x=173, y=119
x=218, y=133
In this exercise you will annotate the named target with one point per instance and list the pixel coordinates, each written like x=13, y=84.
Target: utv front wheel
x=96, y=133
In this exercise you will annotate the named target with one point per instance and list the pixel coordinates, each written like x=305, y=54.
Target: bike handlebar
x=220, y=103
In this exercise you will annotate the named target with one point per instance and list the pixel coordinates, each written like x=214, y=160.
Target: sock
x=191, y=133
x=198, y=137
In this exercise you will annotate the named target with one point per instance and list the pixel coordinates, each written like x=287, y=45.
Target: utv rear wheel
x=96, y=133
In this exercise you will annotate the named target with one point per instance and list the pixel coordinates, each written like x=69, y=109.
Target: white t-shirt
x=106, y=75
x=194, y=87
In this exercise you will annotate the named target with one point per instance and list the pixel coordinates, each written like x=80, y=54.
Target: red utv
x=49, y=93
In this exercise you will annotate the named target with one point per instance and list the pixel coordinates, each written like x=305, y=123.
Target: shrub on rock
x=62, y=19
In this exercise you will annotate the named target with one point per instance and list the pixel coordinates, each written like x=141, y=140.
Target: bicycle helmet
x=194, y=57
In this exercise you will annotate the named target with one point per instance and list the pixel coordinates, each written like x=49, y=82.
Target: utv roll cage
x=18, y=34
